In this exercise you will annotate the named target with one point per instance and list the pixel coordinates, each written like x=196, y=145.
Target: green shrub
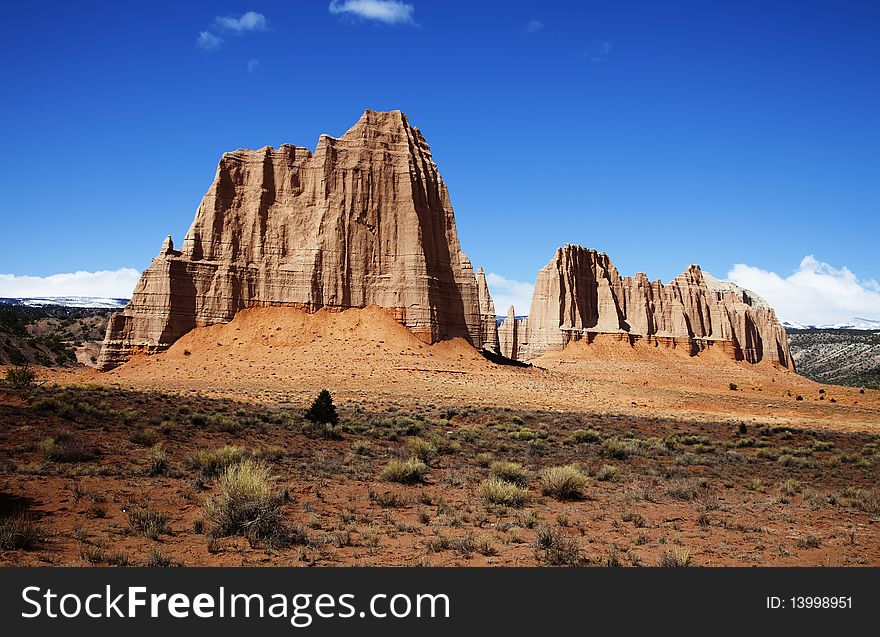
x=421, y=449
x=483, y=459
x=409, y=471
x=504, y=493
x=509, y=471
x=249, y=506
x=616, y=448
x=148, y=523
x=157, y=460
x=211, y=464
x=675, y=559
x=20, y=377
x=361, y=447
x=606, y=473
x=66, y=447
x=579, y=436
x=525, y=434
x=554, y=548
x=563, y=483
x=323, y=411
x=146, y=437
x=19, y=531
x=157, y=559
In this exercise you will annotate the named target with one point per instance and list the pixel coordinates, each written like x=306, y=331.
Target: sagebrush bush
x=501, y=492
x=211, y=463
x=248, y=505
x=422, y=449
x=361, y=447
x=563, y=483
x=157, y=460
x=554, y=548
x=148, y=523
x=674, y=559
x=66, y=447
x=606, y=473
x=483, y=459
x=579, y=436
x=509, y=471
x=19, y=531
x=22, y=377
x=409, y=471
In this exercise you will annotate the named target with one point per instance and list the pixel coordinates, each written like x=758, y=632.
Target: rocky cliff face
x=580, y=292
x=364, y=220
x=488, y=320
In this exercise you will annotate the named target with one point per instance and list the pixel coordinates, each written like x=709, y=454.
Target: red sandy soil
x=282, y=354
x=800, y=490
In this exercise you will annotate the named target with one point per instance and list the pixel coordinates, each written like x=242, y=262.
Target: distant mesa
x=365, y=220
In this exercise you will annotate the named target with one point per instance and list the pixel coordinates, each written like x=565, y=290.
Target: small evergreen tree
x=323, y=411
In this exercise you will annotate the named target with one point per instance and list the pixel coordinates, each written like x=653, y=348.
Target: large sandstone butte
x=580, y=294
x=364, y=220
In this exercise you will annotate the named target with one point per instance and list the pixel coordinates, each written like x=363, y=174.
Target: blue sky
x=665, y=134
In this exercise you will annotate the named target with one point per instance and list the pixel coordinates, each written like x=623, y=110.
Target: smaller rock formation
x=488, y=322
x=580, y=293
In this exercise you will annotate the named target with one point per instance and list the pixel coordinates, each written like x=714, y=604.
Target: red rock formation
x=580, y=292
x=488, y=320
x=364, y=220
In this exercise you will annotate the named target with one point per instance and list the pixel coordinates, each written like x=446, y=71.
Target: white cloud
x=603, y=51
x=506, y=292
x=815, y=294
x=387, y=11
x=252, y=65
x=250, y=21
x=208, y=41
x=534, y=25
x=104, y=283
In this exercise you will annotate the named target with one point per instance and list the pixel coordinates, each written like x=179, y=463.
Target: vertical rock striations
x=364, y=220
x=488, y=322
x=580, y=292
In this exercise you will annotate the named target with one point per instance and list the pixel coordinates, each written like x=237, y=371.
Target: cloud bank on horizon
x=117, y=284
x=816, y=293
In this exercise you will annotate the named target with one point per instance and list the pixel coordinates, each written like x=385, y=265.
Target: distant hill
x=67, y=301
x=856, y=323
x=51, y=335
x=839, y=356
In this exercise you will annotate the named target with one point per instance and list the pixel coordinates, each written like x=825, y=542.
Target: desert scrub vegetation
x=563, y=482
x=409, y=471
x=606, y=473
x=249, y=505
x=554, y=548
x=150, y=524
x=509, y=472
x=503, y=493
x=674, y=559
x=20, y=377
x=422, y=449
x=580, y=436
x=66, y=447
x=211, y=463
x=20, y=531
x=157, y=460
